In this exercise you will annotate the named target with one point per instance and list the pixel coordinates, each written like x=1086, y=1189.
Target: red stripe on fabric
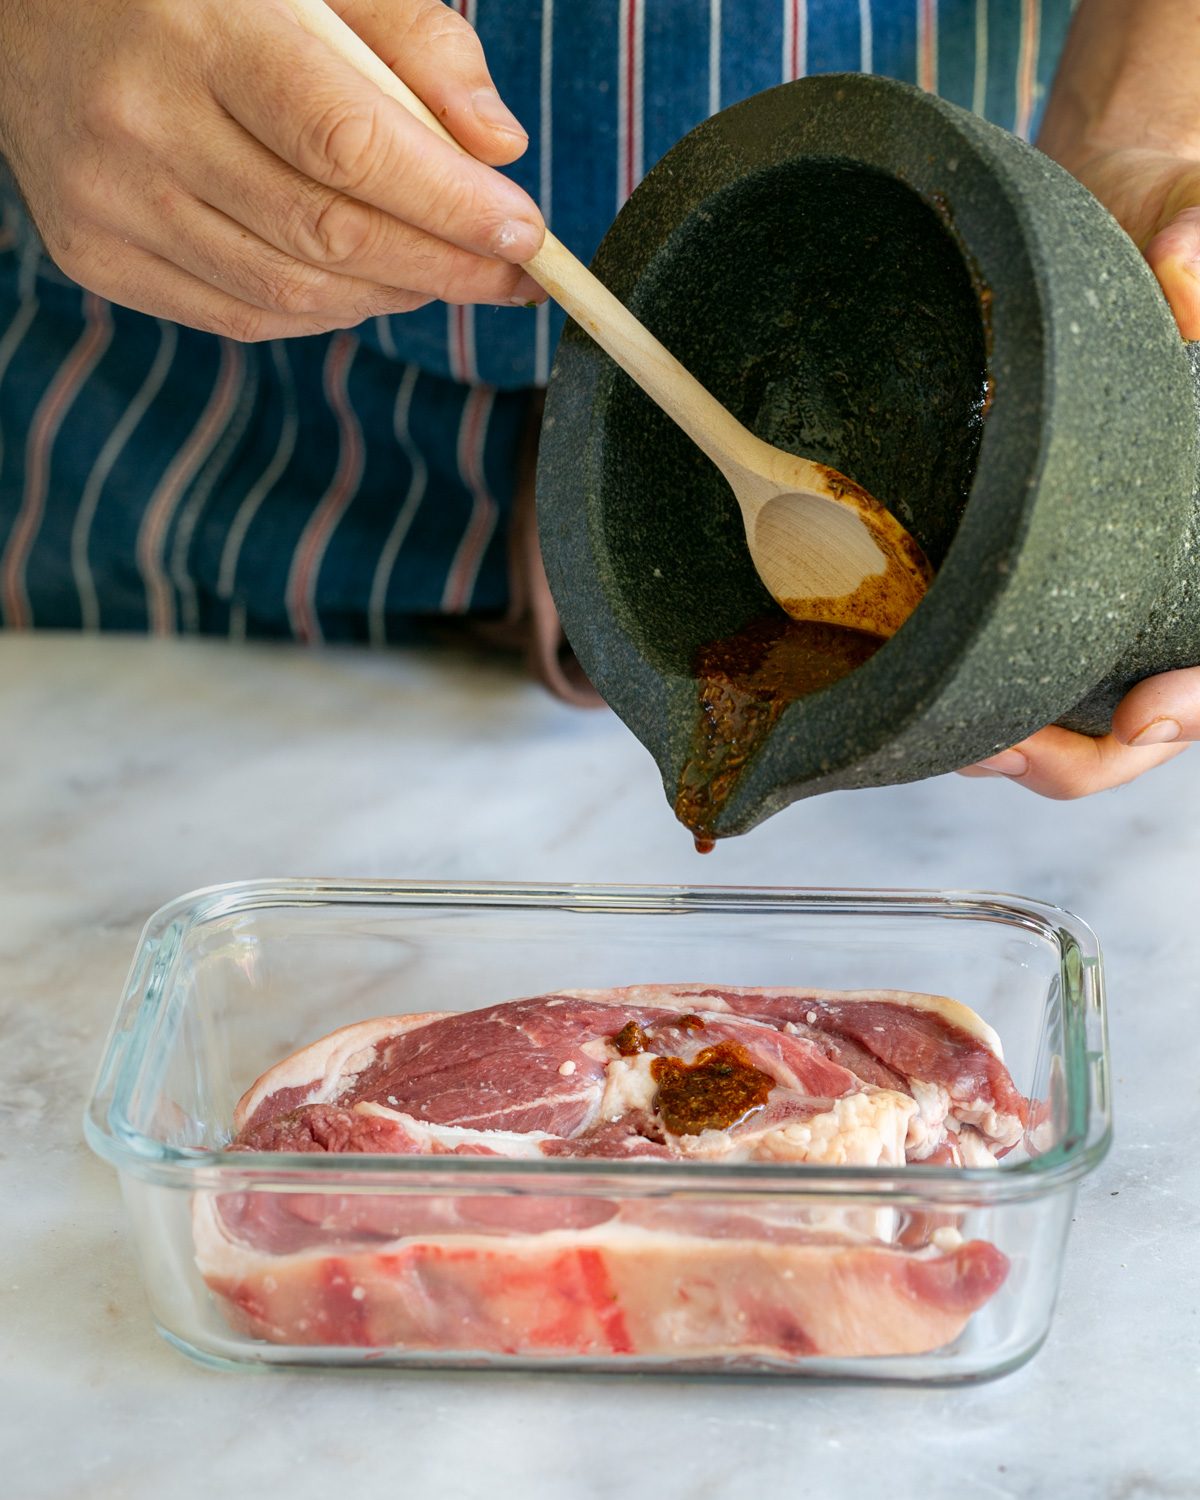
x=72, y=375
x=472, y=446
x=927, y=63
x=462, y=350
x=314, y=540
x=1027, y=66
x=794, y=61
x=175, y=480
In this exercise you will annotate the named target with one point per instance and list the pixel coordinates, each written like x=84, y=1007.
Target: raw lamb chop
x=665, y=1072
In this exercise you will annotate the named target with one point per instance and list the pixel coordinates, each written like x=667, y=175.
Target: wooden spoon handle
x=713, y=429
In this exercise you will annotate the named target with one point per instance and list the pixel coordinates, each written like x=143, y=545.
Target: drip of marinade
x=745, y=683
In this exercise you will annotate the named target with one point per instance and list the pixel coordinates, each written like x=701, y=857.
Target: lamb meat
x=661, y=1072
x=545, y=1074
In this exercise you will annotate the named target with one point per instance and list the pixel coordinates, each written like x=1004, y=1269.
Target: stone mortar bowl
x=878, y=280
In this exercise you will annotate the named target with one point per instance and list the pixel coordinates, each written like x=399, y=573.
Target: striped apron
x=344, y=487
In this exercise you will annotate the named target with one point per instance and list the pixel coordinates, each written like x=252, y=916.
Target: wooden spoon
x=825, y=549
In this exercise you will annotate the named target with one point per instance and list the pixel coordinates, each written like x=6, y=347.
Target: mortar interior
x=832, y=310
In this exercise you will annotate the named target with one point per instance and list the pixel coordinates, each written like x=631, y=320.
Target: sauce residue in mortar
x=745, y=683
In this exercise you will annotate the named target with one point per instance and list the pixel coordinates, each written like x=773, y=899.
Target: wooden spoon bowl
x=825, y=549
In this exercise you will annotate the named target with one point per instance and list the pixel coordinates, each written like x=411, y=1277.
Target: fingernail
x=495, y=114
x=527, y=293
x=518, y=241
x=1007, y=763
x=1157, y=732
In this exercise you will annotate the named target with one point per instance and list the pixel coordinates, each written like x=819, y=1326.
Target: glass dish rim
x=127, y=1048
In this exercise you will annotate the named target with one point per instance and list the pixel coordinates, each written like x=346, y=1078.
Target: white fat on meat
x=629, y=1088
x=973, y=1150
x=1004, y=1131
x=866, y=1129
x=927, y=1126
x=938, y=1118
x=442, y=1139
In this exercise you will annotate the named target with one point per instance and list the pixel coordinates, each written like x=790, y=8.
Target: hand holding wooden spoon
x=824, y=548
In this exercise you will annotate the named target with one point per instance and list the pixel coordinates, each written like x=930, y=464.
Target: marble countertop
x=136, y=770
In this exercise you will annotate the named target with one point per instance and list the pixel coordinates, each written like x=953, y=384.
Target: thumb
x=436, y=52
x=1160, y=710
x=1174, y=257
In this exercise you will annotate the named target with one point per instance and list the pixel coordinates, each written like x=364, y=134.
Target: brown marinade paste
x=745, y=683
x=630, y=1040
x=716, y=1091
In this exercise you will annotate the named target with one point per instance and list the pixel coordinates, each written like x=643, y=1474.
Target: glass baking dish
x=227, y=981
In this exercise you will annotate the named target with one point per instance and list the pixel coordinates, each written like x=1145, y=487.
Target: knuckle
x=461, y=215
x=340, y=143
x=475, y=279
x=296, y=290
x=503, y=286
x=399, y=303
x=337, y=233
x=425, y=19
x=114, y=110
x=328, y=322
x=456, y=40
x=240, y=322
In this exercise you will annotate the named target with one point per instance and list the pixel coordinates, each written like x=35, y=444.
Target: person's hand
x=214, y=164
x=1124, y=118
x=1156, y=199
x=1152, y=724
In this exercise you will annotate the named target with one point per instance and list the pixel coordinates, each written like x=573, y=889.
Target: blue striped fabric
x=336, y=488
